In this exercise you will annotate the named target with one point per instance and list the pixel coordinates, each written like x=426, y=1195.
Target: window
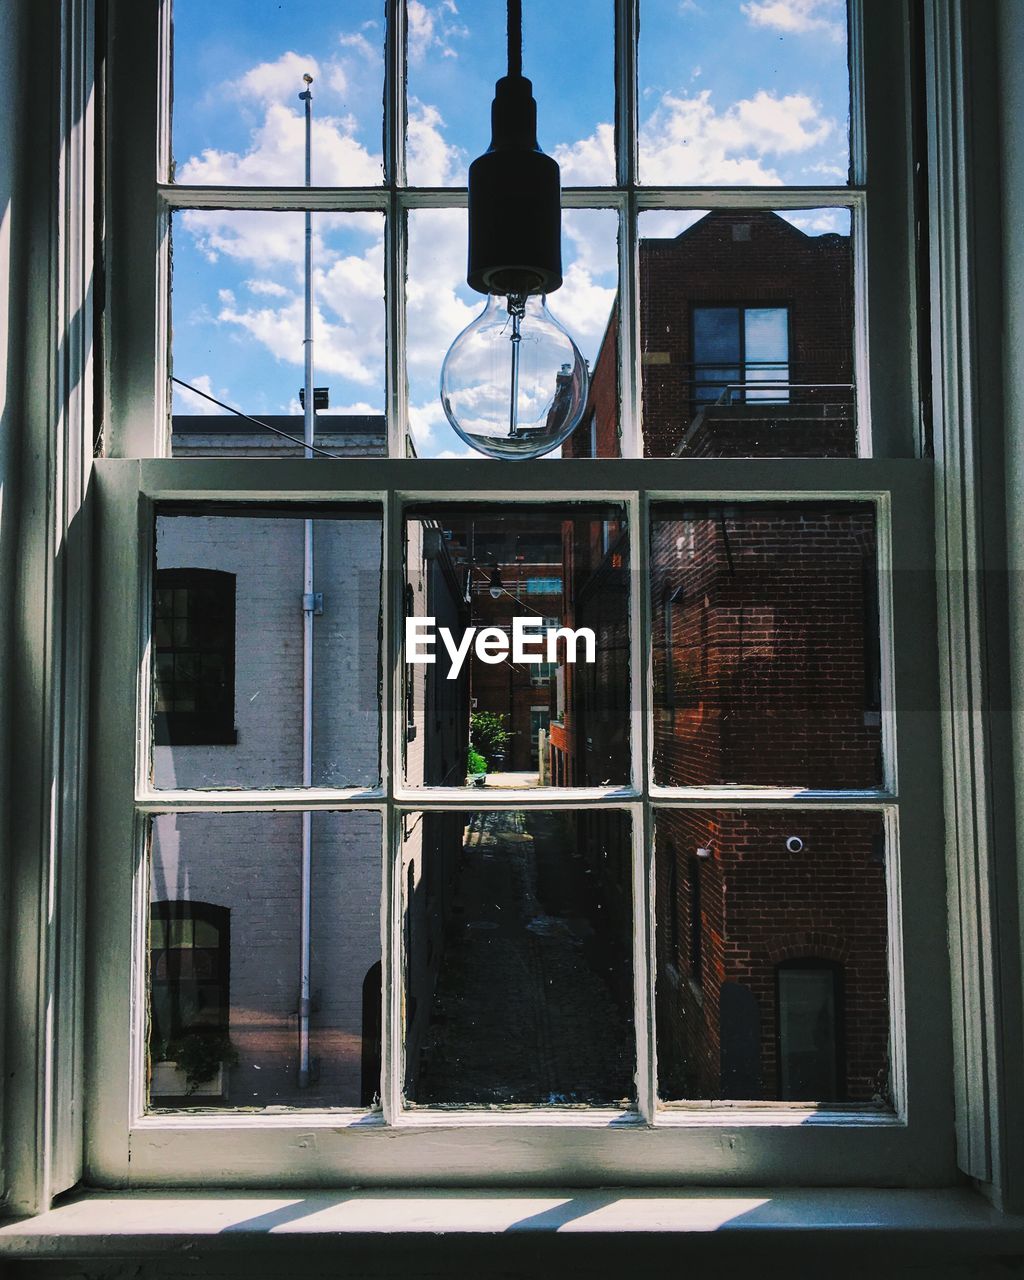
x=194, y=657
x=524, y=986
x=737, y=350
x=810, y=1030
x=190, y=958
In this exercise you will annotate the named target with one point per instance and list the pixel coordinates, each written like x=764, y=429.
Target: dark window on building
x=685, y=640
x=696, y=923
x=810, y=1030
x=189, y=956
x=742, y=351
x=410, y=683
x=194, y=658
x=672, y=907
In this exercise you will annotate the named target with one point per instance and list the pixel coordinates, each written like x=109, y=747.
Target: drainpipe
x=308, y=604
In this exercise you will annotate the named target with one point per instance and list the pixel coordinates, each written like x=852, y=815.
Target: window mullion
x=391, y=905
x=641, y=687
x=627, y=29
x=394, y=94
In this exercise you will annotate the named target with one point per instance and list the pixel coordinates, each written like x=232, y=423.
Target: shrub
x=489, y=735
x=476, y=762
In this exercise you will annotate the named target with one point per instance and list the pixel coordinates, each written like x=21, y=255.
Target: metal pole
x=305, y=946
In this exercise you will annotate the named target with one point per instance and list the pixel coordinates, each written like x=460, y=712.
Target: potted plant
x=193, y=1063
x=476, y=768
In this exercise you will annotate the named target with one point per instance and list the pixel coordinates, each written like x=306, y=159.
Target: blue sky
x=730, y=92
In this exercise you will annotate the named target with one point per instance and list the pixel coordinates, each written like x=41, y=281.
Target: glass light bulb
x=514, y=384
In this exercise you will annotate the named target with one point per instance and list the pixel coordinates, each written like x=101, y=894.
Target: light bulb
x=514, y=384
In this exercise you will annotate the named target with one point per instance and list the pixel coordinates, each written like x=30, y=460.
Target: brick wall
x=763, y=905
x=771, y=629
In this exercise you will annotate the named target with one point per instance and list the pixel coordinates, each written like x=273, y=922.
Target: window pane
x=441, y=305
x=238, y=329
x=455, y=57
x=238, y=73
x=488, y=590
x=224, y=1028
x=238, y=721
x=733, y=300
x=744, y=94
x=765, y=627
x=772, y=969
x=518, y=959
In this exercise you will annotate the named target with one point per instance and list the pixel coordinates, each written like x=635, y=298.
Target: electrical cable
x=515, y=38
x=265, y=425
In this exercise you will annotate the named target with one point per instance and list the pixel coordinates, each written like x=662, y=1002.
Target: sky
x=731, y=92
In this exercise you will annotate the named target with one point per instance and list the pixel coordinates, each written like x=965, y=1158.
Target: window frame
x=687, y=1142
x=776, y=1143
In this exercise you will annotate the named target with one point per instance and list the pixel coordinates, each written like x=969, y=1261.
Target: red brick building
x=771, y=925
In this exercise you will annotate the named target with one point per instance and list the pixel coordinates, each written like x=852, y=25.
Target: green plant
x=489, y=735
x=199, y=1055
x=476, y=763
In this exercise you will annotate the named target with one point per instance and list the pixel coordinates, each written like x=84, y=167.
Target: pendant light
x=514, y=384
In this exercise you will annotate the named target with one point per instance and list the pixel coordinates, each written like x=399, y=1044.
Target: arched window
x=189, y=960
x=809, y=1030
x=194, y=657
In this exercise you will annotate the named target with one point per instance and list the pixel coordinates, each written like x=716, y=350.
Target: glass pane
x=746, y=94
x=238, y=310
x=772, y=956
x=441, y=305
x=238, y=72
x=240, y=724
x=455, y=57
x=518, y=959
x=732, y=300
x=226, y=1032
x=766, y=644
x=488, y=590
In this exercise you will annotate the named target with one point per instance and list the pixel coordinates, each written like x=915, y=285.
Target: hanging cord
x=265, y=425
x=515, y=38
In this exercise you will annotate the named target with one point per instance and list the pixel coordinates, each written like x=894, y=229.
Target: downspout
x=308, y=604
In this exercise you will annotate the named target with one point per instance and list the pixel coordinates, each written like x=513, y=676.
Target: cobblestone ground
x=533, y=1000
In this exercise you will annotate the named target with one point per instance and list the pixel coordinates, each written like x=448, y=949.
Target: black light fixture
x=514, y=384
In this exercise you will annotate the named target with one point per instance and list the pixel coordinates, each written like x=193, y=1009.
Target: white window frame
x=770, y=1143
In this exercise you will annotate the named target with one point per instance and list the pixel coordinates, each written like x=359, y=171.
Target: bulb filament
x=516, y=311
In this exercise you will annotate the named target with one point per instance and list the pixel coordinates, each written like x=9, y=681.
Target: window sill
x=134, y=1224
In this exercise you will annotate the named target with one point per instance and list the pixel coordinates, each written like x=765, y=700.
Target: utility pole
x=308, y=607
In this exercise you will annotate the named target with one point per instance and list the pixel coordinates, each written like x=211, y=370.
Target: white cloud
x=277, y=81
x=275, y=156
x=186, y=401
x=432, y=161
x=266, y=288
x=799, y=17
x=590, y=161
x=432, y=29
x=685, y=140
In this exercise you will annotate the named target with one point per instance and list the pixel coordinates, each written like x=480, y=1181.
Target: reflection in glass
x=506, y=701
x=238, y=329
x=238, y=67
x=771, y=945
x=227, y=648
x=226, y=951
x=746, y=94
x=746, y=333
x=518, y=959
x=766, y=645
